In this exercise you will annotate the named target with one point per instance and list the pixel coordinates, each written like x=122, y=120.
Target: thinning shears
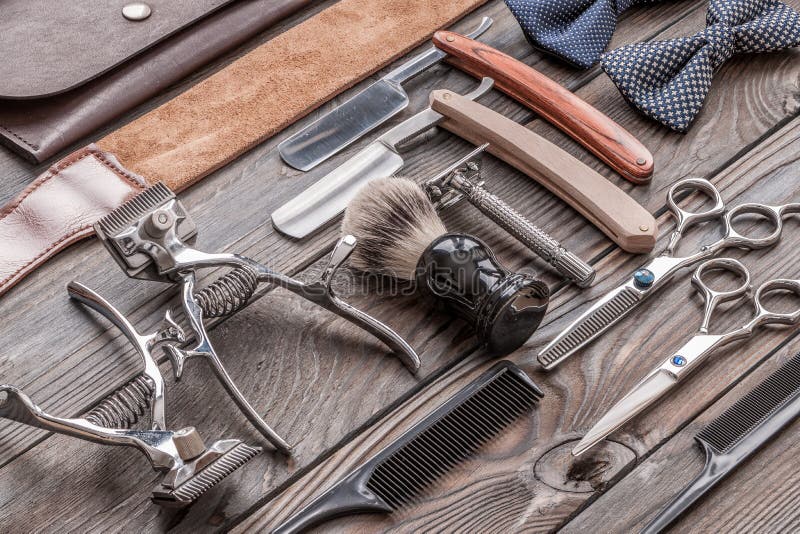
x=694, y=352
x=651, y=277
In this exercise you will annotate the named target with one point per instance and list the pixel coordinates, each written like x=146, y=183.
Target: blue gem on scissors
x=678, y=361
x=643, y=278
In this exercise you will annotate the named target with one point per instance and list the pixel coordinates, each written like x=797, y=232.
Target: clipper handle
x=533, y=237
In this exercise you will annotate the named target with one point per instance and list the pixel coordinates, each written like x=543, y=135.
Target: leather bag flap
x=50, y=47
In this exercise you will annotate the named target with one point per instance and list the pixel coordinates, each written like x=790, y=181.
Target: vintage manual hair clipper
x=463, y=180
x=190, y=467
x=149, y=237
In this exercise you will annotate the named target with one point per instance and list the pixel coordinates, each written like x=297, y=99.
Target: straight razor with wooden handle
x=606, y=206
x=587, y=125
x=609, y=208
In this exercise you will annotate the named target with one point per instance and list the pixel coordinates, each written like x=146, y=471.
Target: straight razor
x=361, y=114
x=329, y=196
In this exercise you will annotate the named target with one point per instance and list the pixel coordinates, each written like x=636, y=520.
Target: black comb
x=398, y=474
x=739, y=432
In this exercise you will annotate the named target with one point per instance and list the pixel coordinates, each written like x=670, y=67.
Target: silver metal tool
x=736, y=435
x=148, y=236
x=145, y=392
x=694, y=352
x=654, y=275
x=190, y=467
x=329, y=196
x=361, y=114
x=462, y=180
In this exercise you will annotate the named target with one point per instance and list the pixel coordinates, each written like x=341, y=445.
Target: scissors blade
x=653, y=387
x=615, y=305
x=600, y=317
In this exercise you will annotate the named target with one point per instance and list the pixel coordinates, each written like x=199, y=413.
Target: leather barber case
x=55, y=90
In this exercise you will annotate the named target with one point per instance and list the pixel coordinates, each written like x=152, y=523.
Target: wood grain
x=583, y=388
x=562, y=108
x=324, y=384
x=759, y=496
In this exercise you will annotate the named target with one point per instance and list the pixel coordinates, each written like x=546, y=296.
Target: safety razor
x=463, y=180
x=150, y=237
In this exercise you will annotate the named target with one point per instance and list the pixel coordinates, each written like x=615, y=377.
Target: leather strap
x=39, y=128
x=281, y=81
x=59, y=209
x=215, y=121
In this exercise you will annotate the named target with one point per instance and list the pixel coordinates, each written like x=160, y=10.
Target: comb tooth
x=213, y=474
x=438, y=457
x=417, y=471
x=429, y=467
x=404, y=489
x=485, y=408
x=462, y=419
x=490, y=421
x=518, y=402
x=441, y=445
x=505, y=406
x=133, y=209
x=752, y=409
x=599, y=320
x=401, y=476
x=513, y=382
x=466, y=440
x=499, y=406
x=449, y=436
x=382, y=490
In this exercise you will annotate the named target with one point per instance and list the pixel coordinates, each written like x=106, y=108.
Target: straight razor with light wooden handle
x=604, y=204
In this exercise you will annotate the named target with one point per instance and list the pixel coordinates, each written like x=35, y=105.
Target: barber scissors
x=694, y=352
x=651, y=277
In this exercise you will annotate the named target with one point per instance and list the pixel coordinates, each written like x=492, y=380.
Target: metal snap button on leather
x=136, y=11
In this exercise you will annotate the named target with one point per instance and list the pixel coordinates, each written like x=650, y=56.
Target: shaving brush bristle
x=394, y=223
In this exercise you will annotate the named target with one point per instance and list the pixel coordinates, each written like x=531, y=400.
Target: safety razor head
x=186, y=482
x=140, y=233
x=440, y=189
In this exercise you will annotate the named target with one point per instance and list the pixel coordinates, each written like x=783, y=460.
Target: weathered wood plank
x=759, y=496
x=542, y=473
x=248, y=184
x=255, y=183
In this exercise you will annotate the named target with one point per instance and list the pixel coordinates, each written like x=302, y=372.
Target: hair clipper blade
x=220, y=460
x=141, y=221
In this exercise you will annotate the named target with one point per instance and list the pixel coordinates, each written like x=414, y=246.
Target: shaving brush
x=399, y=234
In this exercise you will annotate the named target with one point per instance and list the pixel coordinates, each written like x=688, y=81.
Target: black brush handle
x=503, y=307
x=349, y=496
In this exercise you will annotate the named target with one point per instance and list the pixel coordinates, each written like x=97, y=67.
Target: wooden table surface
x=339, y=396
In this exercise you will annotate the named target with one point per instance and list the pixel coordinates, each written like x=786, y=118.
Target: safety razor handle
x=533, y=237
x=566, y=111
x=605, y=205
